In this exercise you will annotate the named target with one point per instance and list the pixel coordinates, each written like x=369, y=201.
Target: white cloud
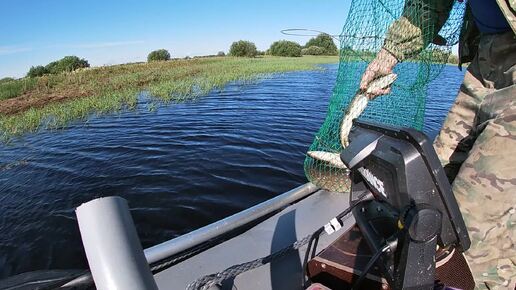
x=4, y=50
x=99, y=44
x=11, y=49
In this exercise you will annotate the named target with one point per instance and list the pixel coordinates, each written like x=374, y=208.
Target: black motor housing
x=412, y=201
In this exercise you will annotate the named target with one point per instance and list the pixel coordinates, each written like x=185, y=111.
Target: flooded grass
x=53, y=101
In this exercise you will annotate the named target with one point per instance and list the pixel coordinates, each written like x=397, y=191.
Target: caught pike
x=359, y=103
x=355, y=108
x=331, y=158
x=331, y=180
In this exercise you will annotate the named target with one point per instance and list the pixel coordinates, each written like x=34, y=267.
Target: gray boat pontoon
x=285, y=219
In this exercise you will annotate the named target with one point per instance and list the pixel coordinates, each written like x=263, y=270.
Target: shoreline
x=53, y=101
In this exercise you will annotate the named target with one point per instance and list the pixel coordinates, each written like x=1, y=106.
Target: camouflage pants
x=477, y=147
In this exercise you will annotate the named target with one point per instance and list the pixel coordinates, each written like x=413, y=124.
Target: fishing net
x=420, y=33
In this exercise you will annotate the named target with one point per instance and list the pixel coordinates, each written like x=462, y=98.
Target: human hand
x=382, y=65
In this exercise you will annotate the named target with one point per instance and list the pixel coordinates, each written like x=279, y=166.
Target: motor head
x=400, y=167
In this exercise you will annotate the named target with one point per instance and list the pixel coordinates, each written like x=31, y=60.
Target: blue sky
x=109, y=32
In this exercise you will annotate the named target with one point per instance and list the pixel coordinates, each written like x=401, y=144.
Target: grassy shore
x=48, y=102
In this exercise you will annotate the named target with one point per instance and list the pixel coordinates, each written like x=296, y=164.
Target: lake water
x=180, y=167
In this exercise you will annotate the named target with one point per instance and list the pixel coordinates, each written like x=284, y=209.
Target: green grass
x=113, y=88
x=13, y=88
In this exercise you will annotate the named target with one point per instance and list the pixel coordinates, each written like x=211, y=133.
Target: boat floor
x=282, y=229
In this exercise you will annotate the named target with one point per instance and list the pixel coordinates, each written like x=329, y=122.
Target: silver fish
x=359, y=103
x=331, y=158
x=332, y=180
x=355, y=108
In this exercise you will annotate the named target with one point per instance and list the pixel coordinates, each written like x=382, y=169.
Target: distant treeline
x=321, y=45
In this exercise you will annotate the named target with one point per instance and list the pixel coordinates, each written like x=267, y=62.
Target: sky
x=36, y=32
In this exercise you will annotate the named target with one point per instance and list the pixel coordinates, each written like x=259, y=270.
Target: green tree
x=285, y=48
x=313, y=50
x=221, y=53
x=325, y=42
x=158, y=55
x=66, y=64
x=243, y=48
x=37, y=71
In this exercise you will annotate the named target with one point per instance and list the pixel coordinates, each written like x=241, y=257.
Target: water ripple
x=180, y=167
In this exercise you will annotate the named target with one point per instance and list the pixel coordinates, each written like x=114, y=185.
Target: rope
x=208, y=281
x=313, y=32
x=167, y=263
x=214, y=279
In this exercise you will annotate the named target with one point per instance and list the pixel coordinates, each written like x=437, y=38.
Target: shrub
x=37, y=71
x=6, y=80
x=221, y=53
x=325, y=42
x=453, y=59
x=243, y=48
x=285, y=48
x=312, y=50
x=66, y=64
x=158, y=55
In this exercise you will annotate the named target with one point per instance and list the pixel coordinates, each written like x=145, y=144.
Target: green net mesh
x=420, y=33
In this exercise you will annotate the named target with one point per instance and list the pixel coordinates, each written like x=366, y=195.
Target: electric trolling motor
x=411, y=210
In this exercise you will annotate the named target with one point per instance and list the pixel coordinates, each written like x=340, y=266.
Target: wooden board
x=340, y=265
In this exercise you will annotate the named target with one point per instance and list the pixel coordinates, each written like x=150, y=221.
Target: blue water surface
x=180, y=167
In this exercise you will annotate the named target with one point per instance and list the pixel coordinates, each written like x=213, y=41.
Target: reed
x=53, y=101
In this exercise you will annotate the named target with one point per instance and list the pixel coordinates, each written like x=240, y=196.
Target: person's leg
x=477, y=146
x=457, y=135
x=491, y=69
x=485, y=188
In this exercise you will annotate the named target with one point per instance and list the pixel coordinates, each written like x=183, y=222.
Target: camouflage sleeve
x=508, y=8
x=417, y=27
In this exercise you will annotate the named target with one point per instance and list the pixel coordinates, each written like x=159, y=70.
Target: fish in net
x=421, y=43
